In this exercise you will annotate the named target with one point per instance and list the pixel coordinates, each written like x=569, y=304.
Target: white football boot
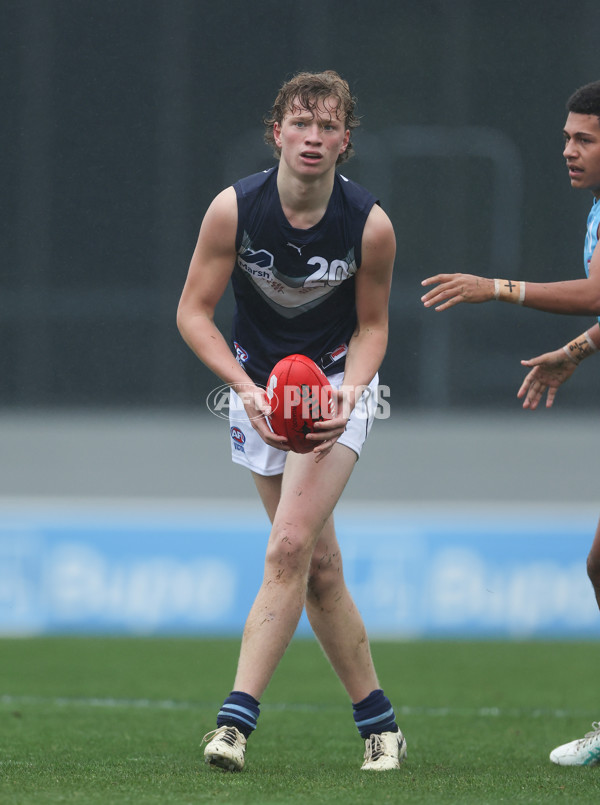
x=225, y=749
x=583, y=752
x=384, y=751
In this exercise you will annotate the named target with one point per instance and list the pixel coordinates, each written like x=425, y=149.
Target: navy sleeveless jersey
x=294, y=288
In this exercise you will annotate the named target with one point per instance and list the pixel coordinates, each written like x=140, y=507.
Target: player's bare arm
x=209, y=273
x=368, y=344
x=576, y=297
x=373, y=285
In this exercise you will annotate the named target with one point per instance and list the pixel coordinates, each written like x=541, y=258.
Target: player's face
x=582, y=151
x=311, y=140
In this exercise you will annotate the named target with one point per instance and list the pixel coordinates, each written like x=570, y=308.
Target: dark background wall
x=123, y=118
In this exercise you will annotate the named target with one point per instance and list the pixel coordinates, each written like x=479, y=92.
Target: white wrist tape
x=509, y=291
x=580, y=348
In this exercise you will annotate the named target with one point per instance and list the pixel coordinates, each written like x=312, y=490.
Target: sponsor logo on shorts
x=238, y=438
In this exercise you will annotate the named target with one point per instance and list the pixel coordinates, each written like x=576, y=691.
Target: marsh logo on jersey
x=238, y=438
x=256, y=263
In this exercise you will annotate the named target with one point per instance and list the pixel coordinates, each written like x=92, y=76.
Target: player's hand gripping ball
x=300, y=395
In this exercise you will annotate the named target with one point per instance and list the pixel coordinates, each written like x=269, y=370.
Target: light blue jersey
x=591, y=239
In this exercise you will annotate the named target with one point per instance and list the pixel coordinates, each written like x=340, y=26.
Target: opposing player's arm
x=576, y=297
x=549, y=371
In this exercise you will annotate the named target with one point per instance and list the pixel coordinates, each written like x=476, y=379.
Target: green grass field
x=95, y=720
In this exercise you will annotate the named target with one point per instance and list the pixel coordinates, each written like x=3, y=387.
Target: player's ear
x=277, y=134
x=345, y=141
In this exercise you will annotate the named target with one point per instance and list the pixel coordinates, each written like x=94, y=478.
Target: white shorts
x=249, y=450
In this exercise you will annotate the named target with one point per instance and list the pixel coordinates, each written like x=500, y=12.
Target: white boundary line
x=170, y=704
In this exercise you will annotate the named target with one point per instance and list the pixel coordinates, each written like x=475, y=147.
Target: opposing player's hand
x=329, y=429
x=549, y=372
x=452, y=289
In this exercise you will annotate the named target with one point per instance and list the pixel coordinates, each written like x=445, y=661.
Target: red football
x=300, y=395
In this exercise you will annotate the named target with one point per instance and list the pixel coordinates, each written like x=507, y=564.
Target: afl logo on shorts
x=238, y=439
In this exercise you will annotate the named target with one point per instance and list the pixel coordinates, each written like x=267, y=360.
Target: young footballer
x=581, y=296
x=310, y=257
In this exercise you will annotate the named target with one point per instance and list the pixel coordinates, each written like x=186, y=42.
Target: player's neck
x=304, y=200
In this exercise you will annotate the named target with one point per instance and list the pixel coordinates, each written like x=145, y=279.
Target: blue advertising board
x=163, y=568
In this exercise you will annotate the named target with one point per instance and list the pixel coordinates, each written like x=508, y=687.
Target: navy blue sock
x=374, y=715
x=239, y=710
